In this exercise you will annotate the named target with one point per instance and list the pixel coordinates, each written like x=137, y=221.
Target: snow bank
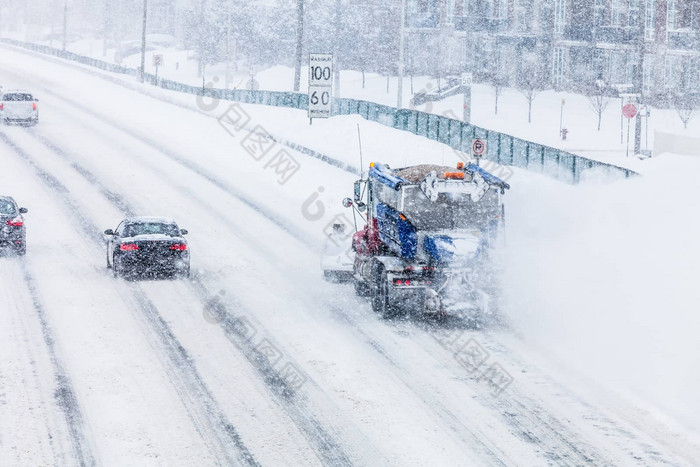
x=603, y=276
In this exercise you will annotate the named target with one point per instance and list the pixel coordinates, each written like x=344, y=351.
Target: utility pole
x=227, y=78
x=639, y=84
x=402, y=46
x=107, y=6
x=300, y=37
x=143, y=41
x=65, y=23
x=336, y=52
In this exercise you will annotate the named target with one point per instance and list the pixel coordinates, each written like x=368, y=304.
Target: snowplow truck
x=429, y=239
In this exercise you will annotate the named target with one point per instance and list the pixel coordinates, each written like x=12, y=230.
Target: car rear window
x=151, y=228
x=17, y=96
x=7, y=207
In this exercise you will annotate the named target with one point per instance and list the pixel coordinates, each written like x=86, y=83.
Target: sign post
x=647, y=114
x=629, y=111
x=620, y=89
x=320, y=86
x=561, y=119
x=467, y=79
x=157, y=61
x=478, y=148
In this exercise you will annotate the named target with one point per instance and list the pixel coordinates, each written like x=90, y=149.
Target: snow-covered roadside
x=576, y=114
x=603, y=276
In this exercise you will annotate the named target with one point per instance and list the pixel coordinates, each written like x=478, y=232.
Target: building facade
x=646, y=46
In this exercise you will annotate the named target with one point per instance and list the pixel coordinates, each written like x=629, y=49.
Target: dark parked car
x=13, y=233
x=148, y=246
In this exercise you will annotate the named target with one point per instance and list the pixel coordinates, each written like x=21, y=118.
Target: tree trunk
x=600, y=117
x=496, y=106
x=529, y=110
x=387, y=83
x=363, y=78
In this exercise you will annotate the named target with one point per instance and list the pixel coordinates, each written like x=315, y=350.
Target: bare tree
x=686, y=107
x=597, y=101
x=530, y=84
x=498, y=83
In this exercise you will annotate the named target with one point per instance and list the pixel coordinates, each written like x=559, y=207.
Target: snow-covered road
x=256, y=360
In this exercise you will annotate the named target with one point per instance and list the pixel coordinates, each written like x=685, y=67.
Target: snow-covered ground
x=258, y=360
x=576, y=115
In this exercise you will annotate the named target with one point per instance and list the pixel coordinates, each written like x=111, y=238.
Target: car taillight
x=16, y=222
x=2, y=105
x=33, y=105
x=129, y=247
x=178, y=246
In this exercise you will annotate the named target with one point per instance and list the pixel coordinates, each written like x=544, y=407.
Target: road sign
x=320, y=85
x=629, y=111
x=467, y=79
x=478, y=147
x=157, y=60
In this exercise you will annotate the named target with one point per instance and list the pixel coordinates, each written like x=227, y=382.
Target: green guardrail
x=501, y=148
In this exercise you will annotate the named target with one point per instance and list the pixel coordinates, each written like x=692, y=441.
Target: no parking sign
x=478, y=148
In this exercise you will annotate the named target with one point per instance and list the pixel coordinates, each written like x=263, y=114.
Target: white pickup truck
x=18, y=106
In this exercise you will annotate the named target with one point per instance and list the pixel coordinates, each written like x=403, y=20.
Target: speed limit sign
x=320, y=85
x=478, y=147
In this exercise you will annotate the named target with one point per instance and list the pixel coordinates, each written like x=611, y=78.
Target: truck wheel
x=381, y=303
x=361, y=288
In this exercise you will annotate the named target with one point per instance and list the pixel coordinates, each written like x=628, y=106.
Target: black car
x=148, y=246
x=13, y=233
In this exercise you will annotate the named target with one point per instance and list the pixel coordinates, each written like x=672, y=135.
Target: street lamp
x=300, y=37
x=399, y=98
x=65, y=23
x=143, y=41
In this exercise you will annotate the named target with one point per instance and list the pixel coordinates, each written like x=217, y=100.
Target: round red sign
x=629, y=111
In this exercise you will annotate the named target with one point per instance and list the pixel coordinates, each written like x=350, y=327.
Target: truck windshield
x=450, y=211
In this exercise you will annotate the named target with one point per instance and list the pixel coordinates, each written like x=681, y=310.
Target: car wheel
x=116, y=268
x=185, y=273
x=21, y=249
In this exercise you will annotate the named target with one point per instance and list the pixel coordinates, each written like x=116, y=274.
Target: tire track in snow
x=64, y=394
x=324, y=444
x=201, y=406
